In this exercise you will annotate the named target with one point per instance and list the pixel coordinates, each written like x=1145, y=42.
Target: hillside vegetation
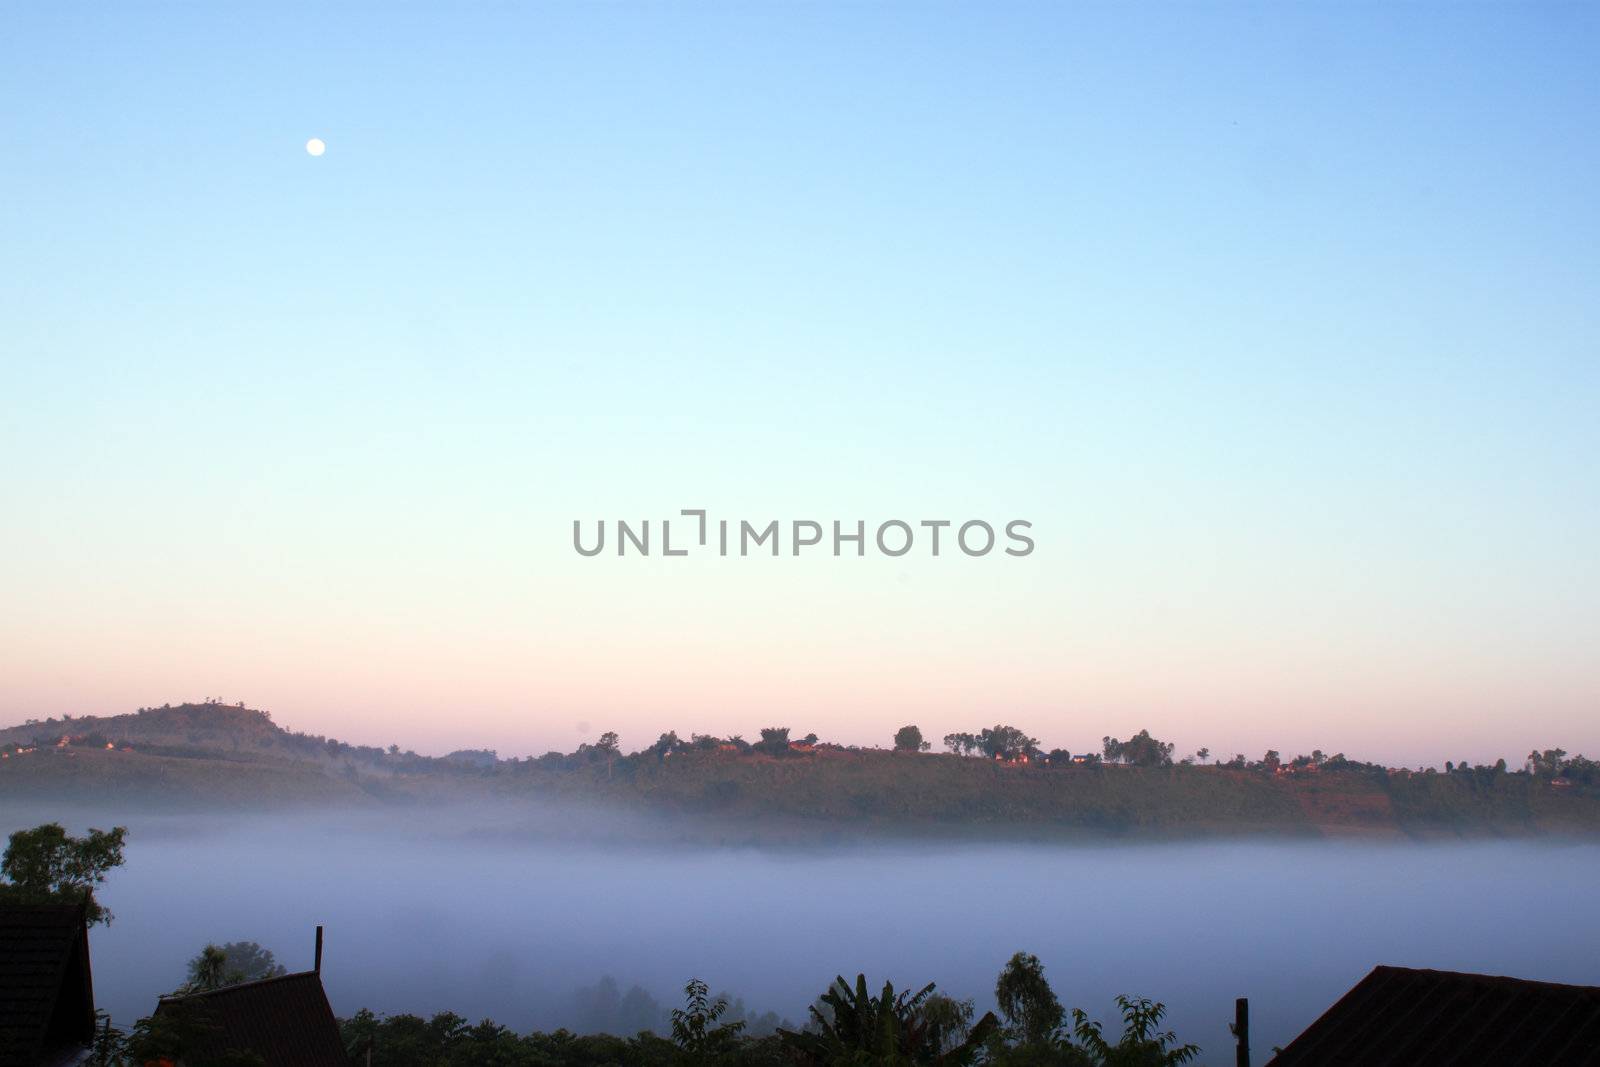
x=212, y=756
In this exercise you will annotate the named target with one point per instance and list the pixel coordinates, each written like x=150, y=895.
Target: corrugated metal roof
x=1399, y=1017
x=284, y=1020
x=42, y=947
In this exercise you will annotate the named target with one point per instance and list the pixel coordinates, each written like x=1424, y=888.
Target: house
x=46, y=991
x=1398, y=1017
x=283, y=1020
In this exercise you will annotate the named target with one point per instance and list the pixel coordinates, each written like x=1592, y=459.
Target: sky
x=1277, y=324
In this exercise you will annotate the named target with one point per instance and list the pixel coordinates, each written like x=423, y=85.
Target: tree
x=1582, y=770
x=1202, y=754
x=209, y=971
x=1140, y=750
x=47, y=865
x=909, y=739
x=695, y=1029
x=1007, y=742
x=110, y=1043
x=961, y=744
x=604, y=749
x=851, y=1026
x=1033, y=1014
x=1141, y=1045
x=1547, y=764
x=605, y=1008
x=948, y=1021
x=223, y=965
x=774, y=740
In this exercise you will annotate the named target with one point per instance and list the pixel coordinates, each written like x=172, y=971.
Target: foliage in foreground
x=47, y=865
x=849, y=1027
x=852, y=1026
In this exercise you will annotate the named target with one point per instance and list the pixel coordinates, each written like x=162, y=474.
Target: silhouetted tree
x=961, y=744
x=948, y=1021
x=208, y=971
x=695, y=1029
x=1007, y=742
x=1547, y=764
x=1142, y=1044
x=909, y=739
x=47, y=865
x=1033, y=1014
x=1140, y=750
x=852, y=1026
x=605, y=1008
x=223, y=965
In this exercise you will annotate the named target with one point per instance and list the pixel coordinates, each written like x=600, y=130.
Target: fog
x=450, y=911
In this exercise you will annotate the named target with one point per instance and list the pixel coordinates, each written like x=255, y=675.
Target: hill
x=211, y=756
x=208, y=756
x=209, y=730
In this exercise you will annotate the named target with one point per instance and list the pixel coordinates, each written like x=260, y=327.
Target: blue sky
x=1279, y=324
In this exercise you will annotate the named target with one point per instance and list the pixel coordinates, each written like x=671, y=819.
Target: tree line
x=1012, y=744
x=999, y=742
x=851, y=1024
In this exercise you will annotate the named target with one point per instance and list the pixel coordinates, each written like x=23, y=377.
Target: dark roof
x=1398, y=1017
x=46, y=999
x=284, y=1020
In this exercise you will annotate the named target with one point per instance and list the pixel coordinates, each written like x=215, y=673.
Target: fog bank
x=430, y=911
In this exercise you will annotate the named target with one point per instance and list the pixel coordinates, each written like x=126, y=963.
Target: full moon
x=315, y=146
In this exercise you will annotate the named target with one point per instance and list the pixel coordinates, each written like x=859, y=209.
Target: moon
x=315, y=147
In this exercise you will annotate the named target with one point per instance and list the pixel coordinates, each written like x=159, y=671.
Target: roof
x=46, y=1001
x=284, y=1020
x=1398, y=1017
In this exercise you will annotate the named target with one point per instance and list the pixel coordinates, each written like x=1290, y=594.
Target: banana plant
x=888, y=1030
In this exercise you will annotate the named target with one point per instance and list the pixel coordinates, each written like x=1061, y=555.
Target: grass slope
x=211, y=756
